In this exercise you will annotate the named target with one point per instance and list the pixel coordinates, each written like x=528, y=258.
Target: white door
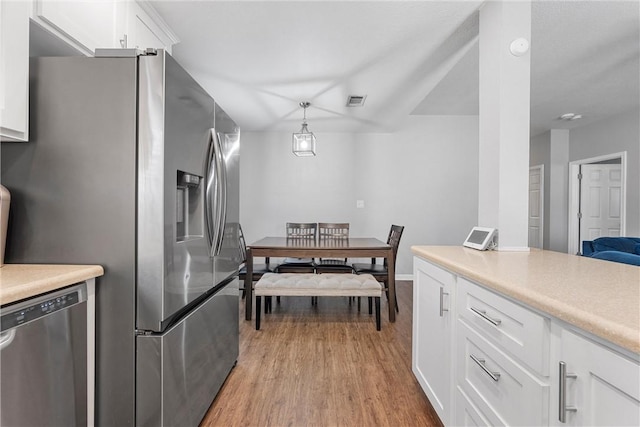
x=600, y=201
x=536, y=206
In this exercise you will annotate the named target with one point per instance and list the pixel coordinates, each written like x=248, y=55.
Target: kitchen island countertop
x=599, y=297
x=20, y=281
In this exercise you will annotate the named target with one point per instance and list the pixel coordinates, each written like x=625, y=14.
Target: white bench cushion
x=310, y=284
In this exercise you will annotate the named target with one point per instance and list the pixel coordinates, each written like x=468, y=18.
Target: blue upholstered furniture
x=618, y=249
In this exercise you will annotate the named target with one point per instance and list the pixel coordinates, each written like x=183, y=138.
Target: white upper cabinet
x=139, y=26
x=14, y=70
x=87, y=25
x=84, y=25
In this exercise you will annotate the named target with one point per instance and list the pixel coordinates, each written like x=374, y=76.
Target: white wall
x=621, y=133
x=423, y=176
x=616, y=135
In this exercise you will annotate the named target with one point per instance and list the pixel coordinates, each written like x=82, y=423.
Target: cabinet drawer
x=510, y=326
x=467, y=414
x=502, y=390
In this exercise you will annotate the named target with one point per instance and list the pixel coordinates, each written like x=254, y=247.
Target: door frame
x=574, y=197
x=542, y=224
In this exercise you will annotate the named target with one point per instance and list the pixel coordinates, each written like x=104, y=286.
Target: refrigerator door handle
x=222, y=218
x=210, y=191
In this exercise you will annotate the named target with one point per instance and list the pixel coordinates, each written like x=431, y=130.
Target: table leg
x=391, y=262
x=248, y=286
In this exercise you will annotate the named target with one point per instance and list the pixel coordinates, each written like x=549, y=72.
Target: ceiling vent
x=356, y=100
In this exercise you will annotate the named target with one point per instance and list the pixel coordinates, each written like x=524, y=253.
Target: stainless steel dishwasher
x=43, y=360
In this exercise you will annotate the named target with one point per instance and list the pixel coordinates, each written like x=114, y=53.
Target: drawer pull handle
x=442, y=309
x=481, y=362
x=483, y=314
x=562, y=406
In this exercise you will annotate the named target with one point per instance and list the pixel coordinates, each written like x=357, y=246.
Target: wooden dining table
x=352, y=247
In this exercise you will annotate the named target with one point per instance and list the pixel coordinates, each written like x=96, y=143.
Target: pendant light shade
x=304, y=142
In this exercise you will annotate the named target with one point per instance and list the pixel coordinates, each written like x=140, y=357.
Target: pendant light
x=304, y=142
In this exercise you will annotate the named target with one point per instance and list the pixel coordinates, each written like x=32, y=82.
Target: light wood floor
x=324, y=365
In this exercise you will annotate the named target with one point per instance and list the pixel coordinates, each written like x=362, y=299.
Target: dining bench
x=317, y=285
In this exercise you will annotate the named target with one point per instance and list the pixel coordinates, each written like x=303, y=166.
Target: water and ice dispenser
x=189, y=206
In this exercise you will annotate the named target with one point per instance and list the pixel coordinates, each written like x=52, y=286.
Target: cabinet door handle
x=562, y=405
x=483, y=314
x=494, y=375
x=442, y=309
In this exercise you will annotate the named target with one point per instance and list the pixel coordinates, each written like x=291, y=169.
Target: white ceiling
x=260, y=59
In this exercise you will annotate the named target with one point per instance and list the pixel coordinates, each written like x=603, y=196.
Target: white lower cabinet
x=513, y=328
x=484, y=359
x=467, y=414
x=504, y=392
x=433, y=320
x=600, y=387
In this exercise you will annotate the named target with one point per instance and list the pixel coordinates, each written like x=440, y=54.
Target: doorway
x=536, y=206
x=597, y=199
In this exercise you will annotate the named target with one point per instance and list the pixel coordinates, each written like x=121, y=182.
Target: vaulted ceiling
x=260, y=59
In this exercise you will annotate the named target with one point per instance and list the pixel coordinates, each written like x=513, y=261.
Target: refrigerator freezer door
x=180, y=372
x=174, y=265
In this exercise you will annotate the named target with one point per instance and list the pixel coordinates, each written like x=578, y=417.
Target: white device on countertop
x=481, y=238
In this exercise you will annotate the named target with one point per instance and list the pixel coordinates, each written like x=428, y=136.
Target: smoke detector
x=356, y=100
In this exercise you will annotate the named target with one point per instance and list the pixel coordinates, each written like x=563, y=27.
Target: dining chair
x=258, y=269
x=333, y=234
x=380, y=271
x=302, y=233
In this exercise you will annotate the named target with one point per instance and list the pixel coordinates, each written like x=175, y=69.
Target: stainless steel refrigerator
x=132, y=165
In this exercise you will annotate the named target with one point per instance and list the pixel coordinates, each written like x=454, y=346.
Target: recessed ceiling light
x=356, y=100
x=571, y=116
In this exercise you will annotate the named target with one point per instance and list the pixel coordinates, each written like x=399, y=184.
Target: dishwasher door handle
x=6, y=338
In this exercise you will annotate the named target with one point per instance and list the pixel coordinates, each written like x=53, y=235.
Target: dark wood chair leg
x=377, y=313
x=370, y=304
x=387, y=292
x=258, y=304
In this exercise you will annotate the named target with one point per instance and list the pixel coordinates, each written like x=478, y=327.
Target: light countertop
x=20, y=281
x=600, y=297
